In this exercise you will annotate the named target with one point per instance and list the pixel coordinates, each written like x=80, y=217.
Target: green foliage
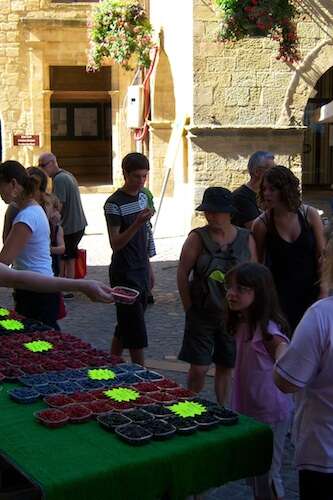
x=274, y=18
x=118, y=30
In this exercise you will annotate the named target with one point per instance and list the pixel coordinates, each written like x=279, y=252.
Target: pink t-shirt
x=308, y=364
x=254, y=392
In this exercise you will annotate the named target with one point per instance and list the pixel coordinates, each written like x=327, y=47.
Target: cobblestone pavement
x=165, y=319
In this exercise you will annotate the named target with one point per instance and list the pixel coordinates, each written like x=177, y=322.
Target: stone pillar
x=160, y=133
x=46, y=121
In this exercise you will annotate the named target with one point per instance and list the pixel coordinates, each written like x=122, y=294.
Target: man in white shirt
x=306, y=368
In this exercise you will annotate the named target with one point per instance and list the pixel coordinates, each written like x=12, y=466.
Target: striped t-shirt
x=121, y=210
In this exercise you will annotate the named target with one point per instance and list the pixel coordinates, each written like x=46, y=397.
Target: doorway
x=317, y=161
x=81, y=136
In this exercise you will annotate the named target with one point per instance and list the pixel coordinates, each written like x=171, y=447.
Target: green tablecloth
x=85, y=462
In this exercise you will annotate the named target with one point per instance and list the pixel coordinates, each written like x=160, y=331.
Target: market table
x=83, y=461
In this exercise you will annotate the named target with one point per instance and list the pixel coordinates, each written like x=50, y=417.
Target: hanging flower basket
x=271, y=18
x=118, y=30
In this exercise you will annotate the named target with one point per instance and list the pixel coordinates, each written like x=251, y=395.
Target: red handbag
x=62, y=312
x=81, y=264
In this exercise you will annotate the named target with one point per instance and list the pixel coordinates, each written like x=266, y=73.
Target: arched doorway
x=317, y=158
x=162, y=119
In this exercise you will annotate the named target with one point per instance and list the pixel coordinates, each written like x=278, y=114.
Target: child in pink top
x=260, y=331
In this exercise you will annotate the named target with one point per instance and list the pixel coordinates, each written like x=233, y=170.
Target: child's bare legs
x=137, y=355
x=270, y=486
x=222, y=384
x=62, y=269
x=151, y=283
x=67, y=268
x=279, y=432
x=116, y=346
x=196, y=377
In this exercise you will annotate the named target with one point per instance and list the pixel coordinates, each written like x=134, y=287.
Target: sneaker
x=69, y=296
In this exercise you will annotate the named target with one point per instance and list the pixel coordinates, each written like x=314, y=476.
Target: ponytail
x=30, y=186
x=41, y=177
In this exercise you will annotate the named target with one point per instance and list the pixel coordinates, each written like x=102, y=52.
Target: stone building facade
x=240, y=98
x=46, y=93
x=212, y=104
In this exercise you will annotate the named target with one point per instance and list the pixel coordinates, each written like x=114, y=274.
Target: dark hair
x=134, y=161
x=283, y=179
x=40, y=177
x=265, y=306
x=12, y=169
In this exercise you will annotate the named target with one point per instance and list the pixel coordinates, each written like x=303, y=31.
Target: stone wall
x=34, y=35
x=172, y=89
x=245, y=99
x=242, y=83
x=238, y=97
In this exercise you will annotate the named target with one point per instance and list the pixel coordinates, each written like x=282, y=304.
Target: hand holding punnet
x=97, y=291
x=144, y=216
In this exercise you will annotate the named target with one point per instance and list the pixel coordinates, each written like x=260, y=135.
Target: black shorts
x=131, y=326
x=71, y=244
x=315, y=485
x=206, y=341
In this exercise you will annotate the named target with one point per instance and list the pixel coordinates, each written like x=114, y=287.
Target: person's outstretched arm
x=28, y=280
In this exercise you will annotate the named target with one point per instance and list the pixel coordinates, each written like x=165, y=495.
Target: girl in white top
x=27, y=246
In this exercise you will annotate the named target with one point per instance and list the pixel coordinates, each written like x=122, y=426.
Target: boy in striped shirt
x=127, y=214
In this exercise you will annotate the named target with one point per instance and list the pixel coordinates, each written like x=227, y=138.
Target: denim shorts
x=206, y=340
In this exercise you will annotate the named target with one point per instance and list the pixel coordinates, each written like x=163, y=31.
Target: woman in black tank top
x=290, y=241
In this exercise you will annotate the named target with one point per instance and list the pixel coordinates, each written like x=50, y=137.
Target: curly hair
x=282, y=179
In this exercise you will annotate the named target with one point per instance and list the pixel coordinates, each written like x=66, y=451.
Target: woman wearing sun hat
x=207, y=254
